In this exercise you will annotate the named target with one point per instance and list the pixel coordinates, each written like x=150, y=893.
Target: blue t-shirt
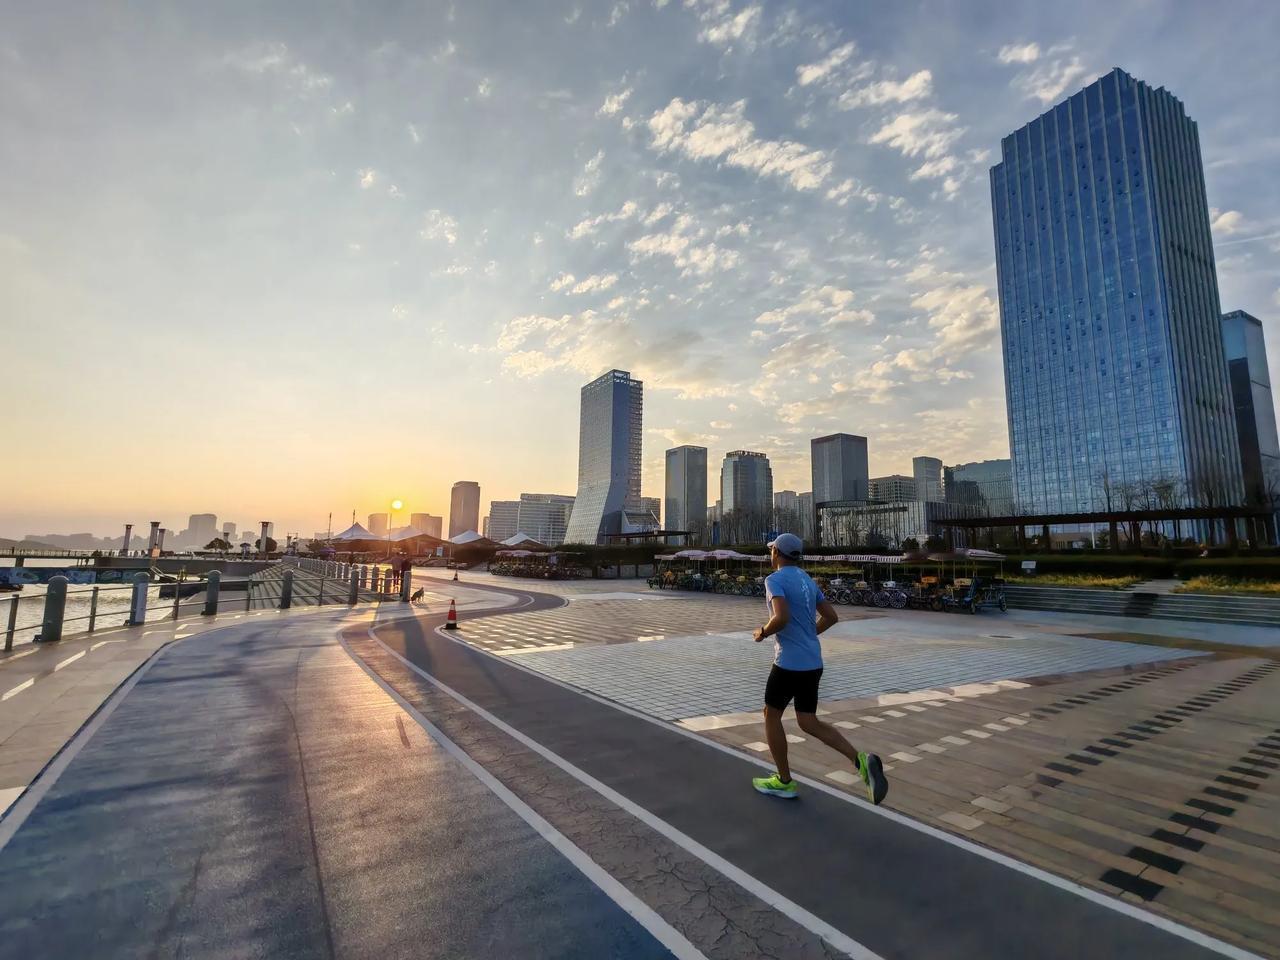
x=795, y=646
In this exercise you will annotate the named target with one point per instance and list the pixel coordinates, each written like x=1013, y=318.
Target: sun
x=396, y=504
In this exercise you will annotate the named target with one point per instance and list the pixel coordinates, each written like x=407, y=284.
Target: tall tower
x=1109, y=312
x=464, y=508
x=609, y=455
x=686, y=490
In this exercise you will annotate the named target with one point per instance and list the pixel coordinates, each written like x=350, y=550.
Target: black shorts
x=787, y=685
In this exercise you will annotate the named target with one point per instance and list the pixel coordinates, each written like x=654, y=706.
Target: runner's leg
x=828, y=734
x=776, y=737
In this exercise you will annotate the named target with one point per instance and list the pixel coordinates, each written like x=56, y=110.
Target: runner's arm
x=780, y=618
x=827, y=616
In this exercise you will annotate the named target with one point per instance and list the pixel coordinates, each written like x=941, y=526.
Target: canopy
x=354, y=532
x=467, y=536
x=522, y=539
x=413, y=533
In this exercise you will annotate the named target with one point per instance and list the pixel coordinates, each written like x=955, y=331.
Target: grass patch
x=1093, y=581
x=1230, y=586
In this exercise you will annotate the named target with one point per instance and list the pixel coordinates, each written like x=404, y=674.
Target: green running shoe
x=872, y=774
x=774, y=787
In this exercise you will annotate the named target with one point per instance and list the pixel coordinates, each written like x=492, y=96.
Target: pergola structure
x=1259, y=519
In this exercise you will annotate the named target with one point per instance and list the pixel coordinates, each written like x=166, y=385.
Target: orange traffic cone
x=451, y=622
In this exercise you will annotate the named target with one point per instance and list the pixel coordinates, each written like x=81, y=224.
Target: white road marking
x=997, y=727
x=70, y=660
x=788, y=908
x=894, y=713
x=15, y=656
x=842, y=776
x=905, y=757
x=961, y=820
x=1070, y=886
x=1016, y=721
x=956, y=741
x=792, y=738
x=871, y=719
x=977, y=734
x=757, y=745
x=930, y=748
x=913, y=708
x=847, y=724
x=102, y=643
x=18, y=689
x=643, y=914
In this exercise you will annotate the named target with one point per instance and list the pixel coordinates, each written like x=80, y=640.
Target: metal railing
x=293, y=582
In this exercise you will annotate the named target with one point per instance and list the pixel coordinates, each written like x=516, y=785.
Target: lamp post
x=395, y=505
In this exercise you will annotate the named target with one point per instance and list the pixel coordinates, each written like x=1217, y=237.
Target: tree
x=217, y=543
x=315, y=546
x=910, y=545
x=934, y=544
x=271, y=544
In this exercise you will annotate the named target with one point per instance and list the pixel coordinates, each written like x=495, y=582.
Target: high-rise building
x=746, y=496
x=484, y=527
x=378, y=524
x=839, y=464
x=201, y=528
x=894, y=488
x=228, y=531
x=1109, y=312
x=804, y=503
x=426, y=523
x=610, y=433
x=785, y=501
x=653, y=507
x=985, y=484
x=927, y=472
x=1246, y=353
x=545, y=517
x=464, y=507
x=504, y=519
x=686, y=490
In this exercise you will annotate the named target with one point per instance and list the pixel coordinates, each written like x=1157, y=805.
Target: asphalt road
x=259, y=793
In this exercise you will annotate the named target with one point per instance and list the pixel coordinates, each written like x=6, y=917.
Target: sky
x=278, y=260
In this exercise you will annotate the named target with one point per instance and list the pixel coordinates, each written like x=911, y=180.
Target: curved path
x=350, y=788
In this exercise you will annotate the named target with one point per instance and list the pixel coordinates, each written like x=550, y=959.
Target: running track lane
x=898, y=891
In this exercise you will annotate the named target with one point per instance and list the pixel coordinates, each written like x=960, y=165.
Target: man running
x=798, y=612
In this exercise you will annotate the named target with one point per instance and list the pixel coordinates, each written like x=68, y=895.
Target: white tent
x=410, y=533
x=354, y=532
x=521, y=539
x=467, y=536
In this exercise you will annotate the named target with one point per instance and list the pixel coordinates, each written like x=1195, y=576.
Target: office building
x=464, y=507
x=984, y=484
x=839, y=464
x=884, y=526
x=804, y=504
x=504, y=519
x=228, y=531
x=545, y=517
x=651, y=506
x=686, y=490
x=201, y=528
x=785, y=501
x=894, y=488
x=927, y=472
x=1109, y=312
x=1246, y=354
x=378, y=524
x=746, y=497
x=427, y=523
x=610, y=432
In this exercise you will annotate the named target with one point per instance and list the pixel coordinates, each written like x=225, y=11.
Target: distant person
x=798, y=612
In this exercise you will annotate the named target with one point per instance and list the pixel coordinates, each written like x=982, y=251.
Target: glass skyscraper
x=609, y=455
x=464, y=507
x=686, y=489
x=1255, y=410
x=1109, y=311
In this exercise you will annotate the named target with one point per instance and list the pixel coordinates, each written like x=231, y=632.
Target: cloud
x=720, y=425
x=589, y=178
x=935, y=168
x=1055, y=72
x=590, y=225
x=845, y=190
x=562, y=281
x=719, y=132
x=962, y=315
x=399, y=311
x=614, y=103
x=367, y=177
x=720, y=25
x=915, y=87
x=814, y=72
x=276, y=59
x=930, y=132
x=438, y=225
x=1019, y=53
x=681, y=244
x=484, y=89
x=414, y=135
x=595, y=283
x=1226, y=222
x=829, y=305
x=445, y=52
x=619, y=11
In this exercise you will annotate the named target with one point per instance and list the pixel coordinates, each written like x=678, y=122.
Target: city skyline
x=813, y=175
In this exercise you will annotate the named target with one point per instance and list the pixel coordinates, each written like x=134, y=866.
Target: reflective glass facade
x=1109, y=311
x=986, y=484
x=609, y=452
x=686, y=489
x=839, y=464
x=464, y=507
x=504, y=519
x=1246, y=352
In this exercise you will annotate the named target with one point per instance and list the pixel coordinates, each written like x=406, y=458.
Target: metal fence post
x=286, y=591
x=353, y=594
x=55, y=608
x=364, y=576
x=177, y=598
x=320, y=595
x=13, y=623
x=248, y=595
x=93, y=608
x=138, y=600
x=406, y=579
x=211, y=593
